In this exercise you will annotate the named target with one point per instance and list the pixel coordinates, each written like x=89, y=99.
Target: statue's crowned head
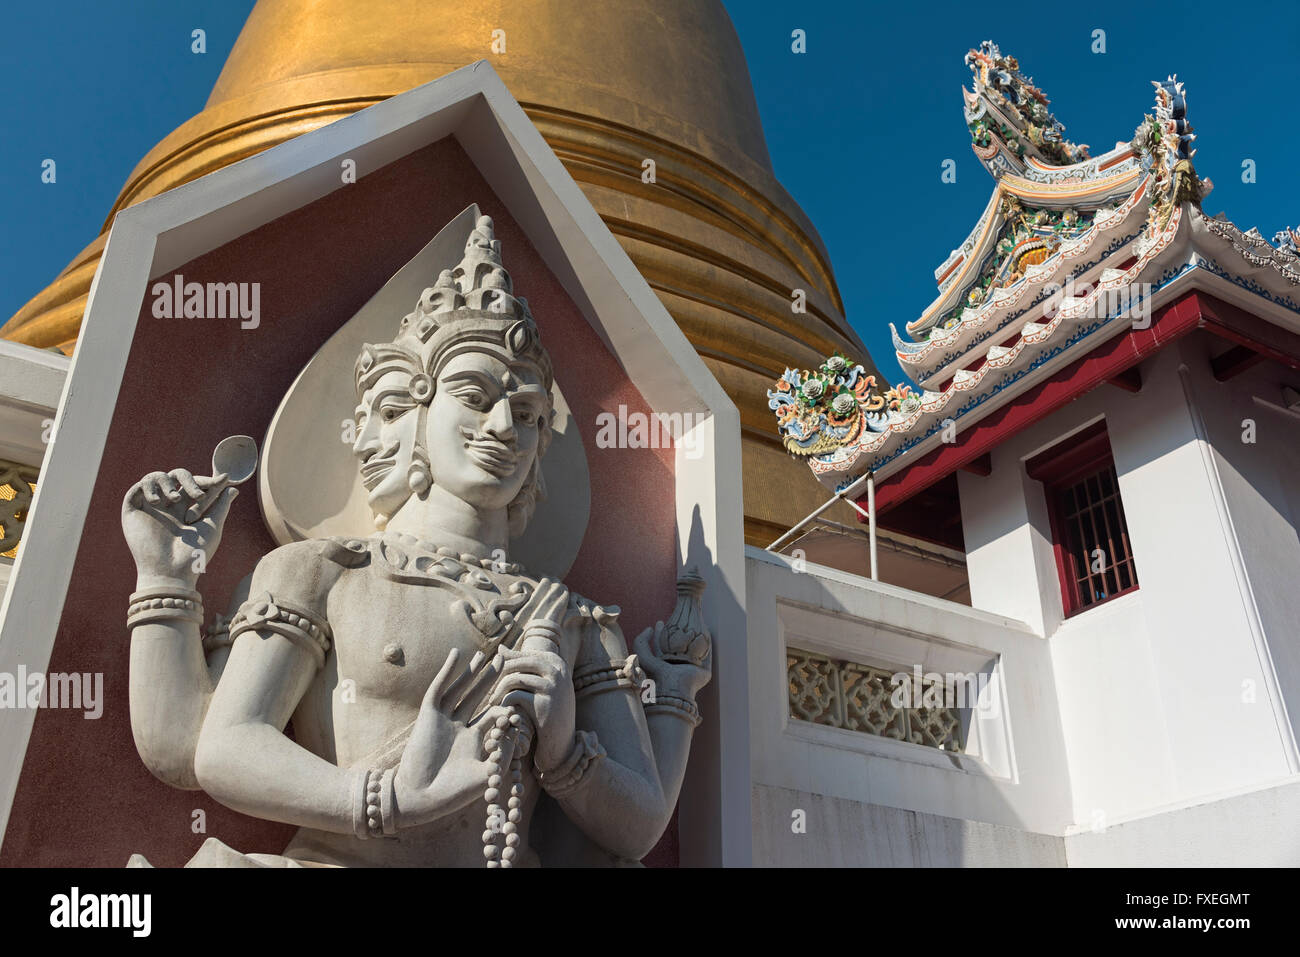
x=469, y=363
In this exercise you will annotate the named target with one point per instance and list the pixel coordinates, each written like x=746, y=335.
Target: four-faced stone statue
x=447, y=708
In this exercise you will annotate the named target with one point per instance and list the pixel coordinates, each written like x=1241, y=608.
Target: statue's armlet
x=288, y=596
x=607, y=683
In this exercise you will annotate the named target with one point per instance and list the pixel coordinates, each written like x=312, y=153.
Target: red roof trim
x=950, y=270
x=1073, y=455
x=1193, y=310
x=1114, y=161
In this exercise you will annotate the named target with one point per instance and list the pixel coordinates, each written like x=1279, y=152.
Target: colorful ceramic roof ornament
x=822, y=411
x=1008, y=112
x=1070, y=250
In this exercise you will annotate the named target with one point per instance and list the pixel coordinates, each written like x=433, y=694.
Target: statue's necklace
x=501, y=837
x=496, y=563
x=501, y=833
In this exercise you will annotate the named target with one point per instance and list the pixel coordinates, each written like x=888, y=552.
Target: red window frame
x=1086, y=512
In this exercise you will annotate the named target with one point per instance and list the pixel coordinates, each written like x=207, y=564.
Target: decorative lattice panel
x=17, y=484
x=857, y=697
x=814, y=689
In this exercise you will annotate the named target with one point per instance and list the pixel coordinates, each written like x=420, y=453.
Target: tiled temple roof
x=1062, y=259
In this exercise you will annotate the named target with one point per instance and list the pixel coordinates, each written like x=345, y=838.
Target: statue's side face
x=483, y=428
x=386, y=434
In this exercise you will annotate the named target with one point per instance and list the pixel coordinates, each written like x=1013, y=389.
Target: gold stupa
x=608, y=84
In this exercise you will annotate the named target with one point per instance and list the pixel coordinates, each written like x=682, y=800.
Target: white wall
x=1149, y=685
x=1257, y=829
x=1019, y=779
x=844, y=833
x=1261, y=486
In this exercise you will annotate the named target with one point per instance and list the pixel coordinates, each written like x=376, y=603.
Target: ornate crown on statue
x=469, y=308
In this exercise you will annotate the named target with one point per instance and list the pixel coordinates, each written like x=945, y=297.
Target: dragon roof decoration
x=1008, y=113
x=1163, y=142
x=825, y=409
x=1288, y=240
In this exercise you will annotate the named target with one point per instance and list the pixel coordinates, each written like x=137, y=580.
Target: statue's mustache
x=490, y=454
x=375, y=464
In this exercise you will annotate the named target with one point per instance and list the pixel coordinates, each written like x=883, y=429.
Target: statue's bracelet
x=374, y=812
x=677, y=706
x=565, y=778
x=165, y=603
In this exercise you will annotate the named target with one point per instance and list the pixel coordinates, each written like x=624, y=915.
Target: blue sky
x=93, y=85
x=858, y=126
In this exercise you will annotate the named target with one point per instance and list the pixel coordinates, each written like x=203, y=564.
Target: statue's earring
x=418, y=478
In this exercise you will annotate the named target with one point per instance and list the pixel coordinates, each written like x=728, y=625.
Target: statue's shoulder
x=307, y=570
x=290, y=589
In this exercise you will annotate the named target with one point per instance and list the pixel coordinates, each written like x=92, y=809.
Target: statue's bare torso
x=397, y=607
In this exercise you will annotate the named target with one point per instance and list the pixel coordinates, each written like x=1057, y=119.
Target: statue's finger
x=519, y=681
x=556, y=606
x=523, y=699
x=492, y=717
x=170, y=487
x=642, y=646
x=542, y=664
x=134, y=498
x=152, y=494
x=216, y=514
x=187, y=483
x=442, y=681
x=458, y=681
x=484, y=677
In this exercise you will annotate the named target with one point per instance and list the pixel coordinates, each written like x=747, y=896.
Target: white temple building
x=1108, y=429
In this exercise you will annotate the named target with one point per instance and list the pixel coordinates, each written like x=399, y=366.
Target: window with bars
x=1094, y=557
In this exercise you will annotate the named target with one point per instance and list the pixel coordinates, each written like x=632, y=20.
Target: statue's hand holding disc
x=163, y=543
x=172, y=520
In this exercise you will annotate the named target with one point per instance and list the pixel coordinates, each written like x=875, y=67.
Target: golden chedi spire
x=608, y=85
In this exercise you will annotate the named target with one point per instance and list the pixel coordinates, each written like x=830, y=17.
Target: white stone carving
x=436, y=688
x=858, y=697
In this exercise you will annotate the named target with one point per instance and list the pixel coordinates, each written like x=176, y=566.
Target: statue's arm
x=170, y=679
x=644, y=728
x=678, y=660
x=245, y=761
x=243, y=758
x=619, y=802
x=170, y=688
